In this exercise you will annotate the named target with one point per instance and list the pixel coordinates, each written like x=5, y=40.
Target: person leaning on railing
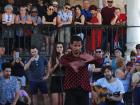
x=22, y=18
x=7, y=31
x=49, y=20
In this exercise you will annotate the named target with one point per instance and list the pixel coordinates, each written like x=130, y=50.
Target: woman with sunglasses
x=49, y=19
x=56, y=73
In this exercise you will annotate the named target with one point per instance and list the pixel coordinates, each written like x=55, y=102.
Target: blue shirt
x=87, y=14
x=36, y=70
x=2, y=60
x=8, y=89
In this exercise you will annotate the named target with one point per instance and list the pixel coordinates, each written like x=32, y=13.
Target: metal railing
x=23, y=36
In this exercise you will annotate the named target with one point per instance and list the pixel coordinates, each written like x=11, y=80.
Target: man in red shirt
x=76, y=81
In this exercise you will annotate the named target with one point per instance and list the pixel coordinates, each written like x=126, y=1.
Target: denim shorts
x=35, y=86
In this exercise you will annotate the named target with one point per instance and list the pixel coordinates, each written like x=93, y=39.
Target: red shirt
x=75, y=79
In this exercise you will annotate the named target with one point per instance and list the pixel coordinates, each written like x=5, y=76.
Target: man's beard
x=108, y=77
x=7, y=76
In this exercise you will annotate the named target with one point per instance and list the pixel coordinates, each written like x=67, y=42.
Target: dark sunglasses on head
x=110, y=1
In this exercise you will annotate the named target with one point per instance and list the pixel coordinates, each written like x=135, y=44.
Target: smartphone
x=17, y=55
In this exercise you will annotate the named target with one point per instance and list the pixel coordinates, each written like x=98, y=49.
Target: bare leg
x=47, y=44
x=54, y=99
x=45, y=97
x=35, y=100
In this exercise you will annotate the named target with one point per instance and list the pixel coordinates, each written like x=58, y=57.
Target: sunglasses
x=110, y=1
x=138, y=48
x=67, y=8
x=34, y=11
x=98, y=51
x=50, y=9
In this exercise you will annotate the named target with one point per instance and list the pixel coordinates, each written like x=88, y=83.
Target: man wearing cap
x=136, y=84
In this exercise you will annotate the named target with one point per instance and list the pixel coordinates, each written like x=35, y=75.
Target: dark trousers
x=76, y=97
x=136, y=96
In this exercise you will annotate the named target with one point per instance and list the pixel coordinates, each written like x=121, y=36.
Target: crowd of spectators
x=69, y=70
x=60, y=18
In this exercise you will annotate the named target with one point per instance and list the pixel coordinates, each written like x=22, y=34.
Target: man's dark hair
x=33, y=47
x=67, y=4
x=6, y=65
x=106, y=67
x=75, y=38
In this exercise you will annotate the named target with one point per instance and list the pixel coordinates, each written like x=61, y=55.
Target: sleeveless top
x=49, y=18
x=77, y=19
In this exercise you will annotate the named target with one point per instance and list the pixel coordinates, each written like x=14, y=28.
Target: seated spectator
x=34, y=16
x=137, y=52
x=97, y=73
x=113, y=85
x=18, y=70
x=136, y=84
x=64, y=18
x=117, y=61
x=50, y=20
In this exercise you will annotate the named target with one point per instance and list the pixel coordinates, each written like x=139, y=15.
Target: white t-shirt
x=115, y=86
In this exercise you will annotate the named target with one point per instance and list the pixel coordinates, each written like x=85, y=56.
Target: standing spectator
x=57, y=74
x=108, y=12
x=120, y=34
x=40, y=7
x=64, y=18
x=55, y=5
x=36, y=72
x=9, y=87
x=18, y=70
x=76, y=78
x=136, y=84
x=50, y=20
x=107, y=15
x=7, y=31
x=34, y=16
x=78, y=20
x=113, y=85
x=22, y=18
x=95, y=40
x=85, y=11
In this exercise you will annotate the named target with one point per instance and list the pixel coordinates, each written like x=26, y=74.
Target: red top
x=94, y=19
x=121, y=18
x=75, y=79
